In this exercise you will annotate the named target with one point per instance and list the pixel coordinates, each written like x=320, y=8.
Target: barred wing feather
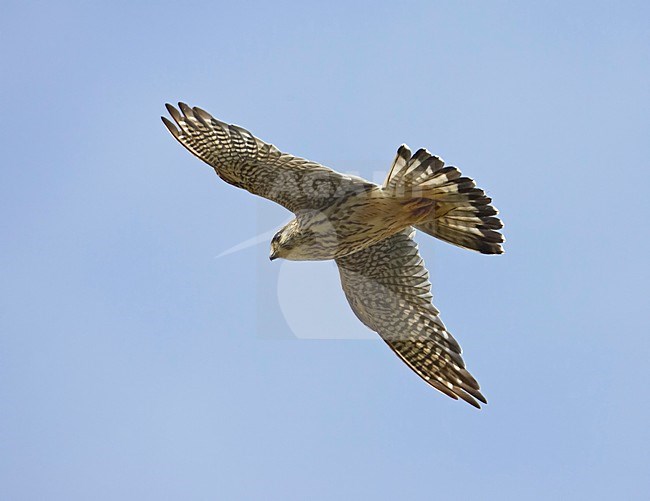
x=245, y=161
x=388, y=288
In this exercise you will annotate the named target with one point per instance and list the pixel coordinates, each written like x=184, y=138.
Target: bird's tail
x=443, y=203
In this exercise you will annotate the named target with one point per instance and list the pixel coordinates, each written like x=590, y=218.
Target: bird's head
x=284, y=241
x=296, y=242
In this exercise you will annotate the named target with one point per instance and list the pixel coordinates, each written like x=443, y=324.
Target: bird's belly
x=365, y=220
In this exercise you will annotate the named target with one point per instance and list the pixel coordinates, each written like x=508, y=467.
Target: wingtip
x=469, y=398
x=202, y=115
x=174, y=113
x=170, y=126
x=187, y=111
x=478, y=396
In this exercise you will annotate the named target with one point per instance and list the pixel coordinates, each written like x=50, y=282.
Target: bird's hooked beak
x=272, y=256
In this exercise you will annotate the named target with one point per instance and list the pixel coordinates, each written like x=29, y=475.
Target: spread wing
x=245, y=161
x=388, y=289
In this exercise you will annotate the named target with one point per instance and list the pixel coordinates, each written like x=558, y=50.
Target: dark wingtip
x=469, y=398
x=187, y=111
x=174, y=113
x=170, y=126
x=479, y=396
x=202, y=115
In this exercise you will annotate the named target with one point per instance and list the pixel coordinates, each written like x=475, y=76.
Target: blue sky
x=136, y=364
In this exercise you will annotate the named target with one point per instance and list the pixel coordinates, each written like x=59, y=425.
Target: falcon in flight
x=367, y=229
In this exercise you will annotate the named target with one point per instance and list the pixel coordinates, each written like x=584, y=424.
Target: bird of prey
x=367, y=229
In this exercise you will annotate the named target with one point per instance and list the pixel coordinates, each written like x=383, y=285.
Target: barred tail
x=461, y=215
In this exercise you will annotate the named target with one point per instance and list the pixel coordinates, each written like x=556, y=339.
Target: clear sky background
x=135, y=364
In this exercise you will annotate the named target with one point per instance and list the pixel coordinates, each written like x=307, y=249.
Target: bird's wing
x=388, y=289
x=245, y=161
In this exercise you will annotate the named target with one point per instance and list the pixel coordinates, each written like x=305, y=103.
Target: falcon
x=367, y=229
